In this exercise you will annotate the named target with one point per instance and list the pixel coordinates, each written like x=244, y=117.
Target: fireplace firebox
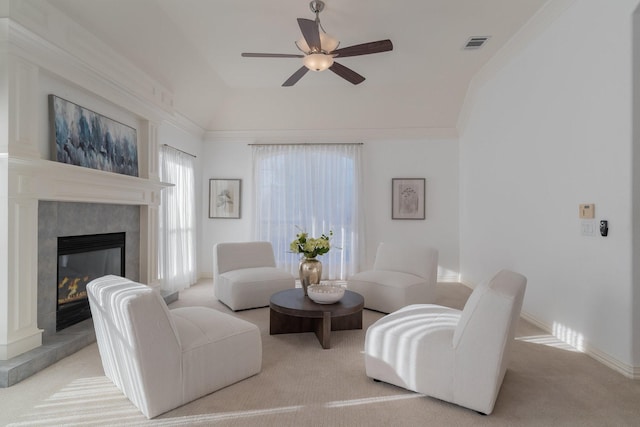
x=80, y=260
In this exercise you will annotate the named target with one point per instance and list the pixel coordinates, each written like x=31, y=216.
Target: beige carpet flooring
x=303, y=385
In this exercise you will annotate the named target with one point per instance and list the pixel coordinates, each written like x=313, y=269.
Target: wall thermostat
x=587, y=211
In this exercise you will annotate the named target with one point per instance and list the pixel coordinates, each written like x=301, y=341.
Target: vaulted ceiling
x=193, y=48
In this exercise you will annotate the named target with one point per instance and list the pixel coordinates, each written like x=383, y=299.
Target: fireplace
x=62, y=219
x=80, y=260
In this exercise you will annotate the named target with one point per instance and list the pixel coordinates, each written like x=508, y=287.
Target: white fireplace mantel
x=27, y=177
x=48, y=180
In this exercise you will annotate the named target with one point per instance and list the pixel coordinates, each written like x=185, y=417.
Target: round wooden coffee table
x=293, y=312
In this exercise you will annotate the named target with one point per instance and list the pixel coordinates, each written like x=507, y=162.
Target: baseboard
x=632, y=372
x=467, y=284
x=448, y=278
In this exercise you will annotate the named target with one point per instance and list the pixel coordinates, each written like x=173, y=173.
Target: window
x=310, y=187
x=176, y=240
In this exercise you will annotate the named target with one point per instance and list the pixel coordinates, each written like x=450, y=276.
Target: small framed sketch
x=407, y=198
x=224, y=198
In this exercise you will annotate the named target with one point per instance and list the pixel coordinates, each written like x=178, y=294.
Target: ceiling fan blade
x=346, y=73
x=311, y=33
x=296, y=76
x=364, y=49
x=271, y=55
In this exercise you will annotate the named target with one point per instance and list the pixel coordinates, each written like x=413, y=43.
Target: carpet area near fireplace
x=54, y=348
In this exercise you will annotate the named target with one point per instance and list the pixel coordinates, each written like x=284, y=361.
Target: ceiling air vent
x=476, y=42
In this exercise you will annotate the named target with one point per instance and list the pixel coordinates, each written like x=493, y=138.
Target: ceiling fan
x=319, y=50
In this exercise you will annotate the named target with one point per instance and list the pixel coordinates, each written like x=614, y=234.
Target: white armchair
x=401, y=275
x=457, y=356
x=160, y=358
x=245, y=274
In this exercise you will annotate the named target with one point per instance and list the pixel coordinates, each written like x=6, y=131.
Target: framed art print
x=85, y=138
x=224, y=198
x=408, y=198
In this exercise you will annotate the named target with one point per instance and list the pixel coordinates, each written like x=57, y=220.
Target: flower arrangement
x=311, y=247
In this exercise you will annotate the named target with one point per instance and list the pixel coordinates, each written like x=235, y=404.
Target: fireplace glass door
x=80, y=260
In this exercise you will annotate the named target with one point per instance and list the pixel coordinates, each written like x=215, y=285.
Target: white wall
x=437, y=161
x=350, y=107
x=433, y=159
x=550, y=130
x=225, y=160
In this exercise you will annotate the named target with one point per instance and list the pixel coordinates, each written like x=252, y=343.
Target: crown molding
x=42, y=35
x=328, y=135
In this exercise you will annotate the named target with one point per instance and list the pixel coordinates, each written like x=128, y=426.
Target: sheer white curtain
x=318, y=188
x=177, y=220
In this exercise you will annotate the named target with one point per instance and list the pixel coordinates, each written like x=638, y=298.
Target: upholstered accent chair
x=245, y=274
x=457, y=356
x=401, y=275
x=160, y=358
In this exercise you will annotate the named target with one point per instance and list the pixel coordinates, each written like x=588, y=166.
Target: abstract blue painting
x=85, y=138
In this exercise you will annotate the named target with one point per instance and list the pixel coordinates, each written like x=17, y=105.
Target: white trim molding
x=628, y=371
x=327, y=135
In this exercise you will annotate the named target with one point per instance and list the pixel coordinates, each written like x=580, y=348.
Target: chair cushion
x=387, y=291
x=401, y=275
x=251, y=287
x=255, y=276
x=394, y=279
x=211, y=337
x=194, y=326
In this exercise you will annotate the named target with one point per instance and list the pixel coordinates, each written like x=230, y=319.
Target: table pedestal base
x=322, y=326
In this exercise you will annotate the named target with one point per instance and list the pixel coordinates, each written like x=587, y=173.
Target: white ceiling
x=193, y=48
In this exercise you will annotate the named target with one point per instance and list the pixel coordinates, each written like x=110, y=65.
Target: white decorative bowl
x=325, y=294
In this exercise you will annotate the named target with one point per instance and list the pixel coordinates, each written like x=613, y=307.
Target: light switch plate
x=587, y=211
x=588, y=228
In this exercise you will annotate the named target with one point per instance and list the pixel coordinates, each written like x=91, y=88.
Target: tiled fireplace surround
x=57, y=219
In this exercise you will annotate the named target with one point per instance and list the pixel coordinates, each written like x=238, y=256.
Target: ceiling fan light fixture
x=327, y=43
x=318, y=61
